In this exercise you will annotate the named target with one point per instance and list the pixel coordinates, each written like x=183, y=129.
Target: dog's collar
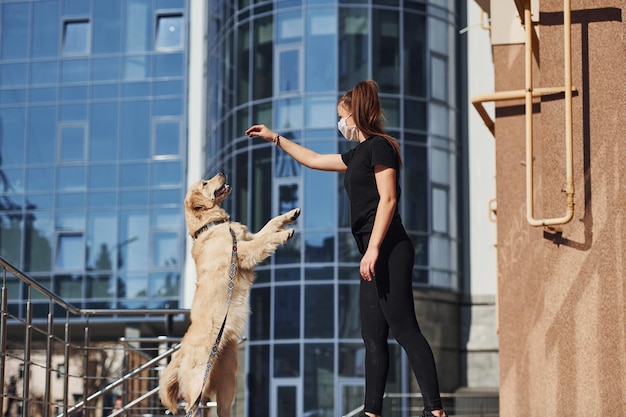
x=206, y=227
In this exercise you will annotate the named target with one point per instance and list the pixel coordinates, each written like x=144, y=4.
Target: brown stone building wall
x=562, y=296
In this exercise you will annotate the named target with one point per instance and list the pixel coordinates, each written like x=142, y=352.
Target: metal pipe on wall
x=569, y=157
x=528, y=93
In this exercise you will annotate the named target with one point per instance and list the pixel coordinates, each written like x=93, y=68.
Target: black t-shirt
x=360, y=180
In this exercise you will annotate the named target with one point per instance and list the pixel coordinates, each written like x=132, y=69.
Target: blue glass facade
x=93, y=147
x=285, y=64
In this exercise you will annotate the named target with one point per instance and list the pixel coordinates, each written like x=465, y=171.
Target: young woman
x=386, y=292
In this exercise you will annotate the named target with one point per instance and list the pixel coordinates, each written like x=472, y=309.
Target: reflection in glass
x=286, y=312
x=319, y=246
x=320, y=49
x=259, y=322
x=15, y=30
x=414, y=54
x=315, y=273
x=169, y=65
x=288, y=114
x=101, y=240
x=286, y=401
x=353, y=47
x=351, y=359
x=69, y=248
x=243, y=63
x=40, y=179
x=386, y=50
x=415, y=214
x=319, y=387
x=349, y=320
x=71, y=178
x=263, y=57
x=166, y=138
x=286, y=360
x=133, y=246
x=167, y=173
x=12, y=125
x=136, y=130
x=74, y=70
x=107, y=27
x=13, y=75
x=319, y=311
x=68, y=286
x=288, y=71
x=258, y=377
x=41, y=139
x=165, y=249
x=44, y=72
x=164, y=284
x=72, y=143
x=289, y=27
x=134, y=175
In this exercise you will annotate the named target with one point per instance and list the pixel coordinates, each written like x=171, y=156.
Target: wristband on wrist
x=276, y=139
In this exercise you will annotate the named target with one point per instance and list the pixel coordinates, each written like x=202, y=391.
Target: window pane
x=319, y=311
x=45, y=29
x=15, y=30
x=167, y=138
x=440, y=211
x=167, y=173
x=107, y=27
x=319, y=376
x=286, y=312
x=415, y=115
x=286, y=361
x=164, y=284
x=289, y=27
x=320, y=49
x=438, y=36
x=263, y=57
x=438, y=121
x=353, y=47
x=13, y=75
x=321, y=112
x=386, y=51
x=74, y=70
x=44, y=72
x=289, y=71
x=169, y=65
x=133, y=246
x=414, y=54
x=319, y=247
x=103, y=133
x=11, y=237
x=288, y=114
x=101, y=241
x=136, y=130
x=260, y=318
x=69, y=286
x=105, y=69
x=439, y=252
x=71, y=178
x=139, y=24
x=349, y=319
x=13, y=126
x=169, y=32
x=72, y=143
x=415, y=212
x=439, y=78
x=41, y=140
x=319, y=194
x=243, y=63
x=70, y=246
x=76, y=37
x=440, y=168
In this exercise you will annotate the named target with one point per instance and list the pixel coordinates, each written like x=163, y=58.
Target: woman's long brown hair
x=363, y=102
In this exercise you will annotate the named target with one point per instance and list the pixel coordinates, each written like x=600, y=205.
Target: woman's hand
x=368, y=264
x=261, y=131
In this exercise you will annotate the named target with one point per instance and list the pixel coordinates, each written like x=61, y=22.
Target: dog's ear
x=197, y=202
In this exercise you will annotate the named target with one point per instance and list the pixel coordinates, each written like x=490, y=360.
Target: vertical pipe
x=528, y=52
x=28, y=337
x=66, y=358
x=567, y=49
x=3, y=334
x=49, y=348
x=86, y=375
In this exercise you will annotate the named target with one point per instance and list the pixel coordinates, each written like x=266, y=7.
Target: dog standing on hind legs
x=216, y=252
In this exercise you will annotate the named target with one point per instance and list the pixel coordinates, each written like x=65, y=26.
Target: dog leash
x=231, y=286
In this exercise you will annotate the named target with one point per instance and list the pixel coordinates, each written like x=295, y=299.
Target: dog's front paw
x=293, y=214
x=290, y=235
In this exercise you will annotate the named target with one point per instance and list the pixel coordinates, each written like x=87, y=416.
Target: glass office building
x=285, y=64
x=93, y=148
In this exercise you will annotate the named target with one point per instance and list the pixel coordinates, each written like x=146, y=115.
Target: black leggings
x=387, y=302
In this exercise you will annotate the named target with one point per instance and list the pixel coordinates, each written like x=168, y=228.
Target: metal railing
x=52, y=363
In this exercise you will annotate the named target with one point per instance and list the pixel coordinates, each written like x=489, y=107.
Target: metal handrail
x=72, y=314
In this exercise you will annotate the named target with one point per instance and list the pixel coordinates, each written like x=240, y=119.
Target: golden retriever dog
x=212, y=250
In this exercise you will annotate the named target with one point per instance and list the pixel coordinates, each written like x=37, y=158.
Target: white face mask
x=348, y=132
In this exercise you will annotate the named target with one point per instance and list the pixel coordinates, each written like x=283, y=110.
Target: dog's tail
x=168, y=385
